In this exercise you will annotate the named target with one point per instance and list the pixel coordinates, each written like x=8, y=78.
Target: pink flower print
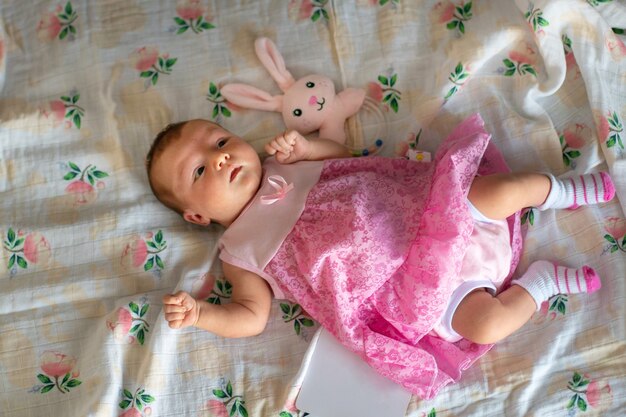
x=84, y=189
x=588, y=392
x=615, y=226
x=121, y=326
x=36, y=248
x=616, y=234
x=306, y=9
x=145, y=252
x=602, y=125
x=57, y=110
x=24, y=248
x=189, y=9
x=443, y=11
x=524, y=57
x=190, y=16
x=290, y=404
x=48, y=27
x=130, y=322
x=57, y=23
x=521, y=60
x=135, y=252
x=150, y=64
x=570, y=61
x=615, y=46
x=144, y=58
x=576, y=137
x=375, y=91
x=313, y=9
x=385, y=92
x=84, y=193
x=453, y=15
x=132, y=412
x=217, y=408
x=66, y=110
x=573, y=138
x=57, y=365
x=598, y=393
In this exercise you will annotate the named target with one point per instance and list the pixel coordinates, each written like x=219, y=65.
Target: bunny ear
x=273, y=61
x=251, y=97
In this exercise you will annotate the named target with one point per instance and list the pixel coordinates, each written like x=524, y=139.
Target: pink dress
x=374, y=251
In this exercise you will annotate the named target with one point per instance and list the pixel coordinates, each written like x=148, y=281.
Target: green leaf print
x=391, y=96
x=219, y=102
x=66, y=18
x=318, y=10
x=458, y=77
x=462, y=14
x=137, y=400
x=293, y=312
x=615, y=130
x=139, y=325
x=534, y=16
x=596, y=3
x=235, y=402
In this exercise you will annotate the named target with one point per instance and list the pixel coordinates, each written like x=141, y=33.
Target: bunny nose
x=312, y=101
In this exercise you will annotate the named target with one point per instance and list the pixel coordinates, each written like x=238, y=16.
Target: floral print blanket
x=87, y=252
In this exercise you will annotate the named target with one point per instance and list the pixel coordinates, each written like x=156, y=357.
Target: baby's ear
x=196, y=218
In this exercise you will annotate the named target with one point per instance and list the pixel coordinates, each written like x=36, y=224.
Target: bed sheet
x=87, y=252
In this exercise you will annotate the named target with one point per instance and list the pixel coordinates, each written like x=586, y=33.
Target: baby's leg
x=500, y=195
x=482, y=318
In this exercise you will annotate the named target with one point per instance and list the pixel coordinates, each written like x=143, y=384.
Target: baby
x=402, y=262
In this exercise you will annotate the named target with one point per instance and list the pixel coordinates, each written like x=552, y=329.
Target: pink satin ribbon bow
x=280, y=185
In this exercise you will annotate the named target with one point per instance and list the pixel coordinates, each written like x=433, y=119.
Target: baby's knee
x=478, y=318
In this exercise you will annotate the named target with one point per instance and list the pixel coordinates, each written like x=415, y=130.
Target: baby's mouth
x=234, y=173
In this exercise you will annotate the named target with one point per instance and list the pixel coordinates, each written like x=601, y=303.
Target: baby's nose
x=221, y=160
x=312, y=101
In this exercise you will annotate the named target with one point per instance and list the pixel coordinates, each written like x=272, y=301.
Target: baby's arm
x=291, y=147
x=246, y=314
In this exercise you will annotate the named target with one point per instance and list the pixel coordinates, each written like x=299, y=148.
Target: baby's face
x=211, y=173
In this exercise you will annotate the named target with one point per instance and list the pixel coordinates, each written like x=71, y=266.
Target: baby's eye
x=198, y=173
x=310, y=84
x=221, y=143
x=297, y=112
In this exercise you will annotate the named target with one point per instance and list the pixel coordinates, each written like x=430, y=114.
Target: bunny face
x=308, y=102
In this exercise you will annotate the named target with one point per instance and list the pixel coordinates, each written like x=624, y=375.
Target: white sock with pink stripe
x=578, y=191
x=544, y=279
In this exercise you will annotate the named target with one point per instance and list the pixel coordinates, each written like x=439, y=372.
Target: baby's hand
x=289, y=147
x=181, y=310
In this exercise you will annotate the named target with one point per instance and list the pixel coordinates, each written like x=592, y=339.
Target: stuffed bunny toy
x=307, y=105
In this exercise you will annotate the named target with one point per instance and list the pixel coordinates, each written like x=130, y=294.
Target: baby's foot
x=544, y=279
x=571, y=193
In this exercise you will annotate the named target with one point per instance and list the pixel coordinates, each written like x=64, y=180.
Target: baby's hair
x=163, y=139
